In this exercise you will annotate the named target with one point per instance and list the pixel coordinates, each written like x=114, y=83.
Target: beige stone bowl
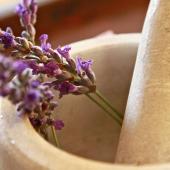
x=90, y=138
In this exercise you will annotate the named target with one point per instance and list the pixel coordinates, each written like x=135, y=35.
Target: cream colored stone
x=21, y=148
x=145, y=137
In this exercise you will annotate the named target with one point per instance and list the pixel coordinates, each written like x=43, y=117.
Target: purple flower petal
x=26, y=17
x=52, y=69
x=43, y=38
x=26, y=3
x=20, y=66
x=34, y=7
x=65, y=88
x=44, y=45
x=19, y=9
x=35, y=83
x=58, y=124
x=83, y=64
x=6, y=39
x=32, y=96
x=64, y=51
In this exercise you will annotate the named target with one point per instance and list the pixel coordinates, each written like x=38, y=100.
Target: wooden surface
x=145, y=137
x=68, y=21
x=7, y=7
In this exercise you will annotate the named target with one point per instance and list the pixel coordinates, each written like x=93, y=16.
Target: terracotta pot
x=88, y=131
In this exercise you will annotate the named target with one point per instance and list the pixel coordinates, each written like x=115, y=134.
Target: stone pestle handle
x=145, y=136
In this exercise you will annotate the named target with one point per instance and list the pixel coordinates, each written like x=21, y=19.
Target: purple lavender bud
x=19, y=9
x=58, y=124
x=35, y=83
x=35, y=122
x=65, y=88
x=49, y=95
x=64, y=51
x=33, y=65
x=83, y=64
x=26, y=17
x=7, y=40
x=26, y=3
x=9, y=30
x=32, y=96
x=43, y=40
x=27, y=13
x=52, y=69
x=33, y=7
x=19, y=66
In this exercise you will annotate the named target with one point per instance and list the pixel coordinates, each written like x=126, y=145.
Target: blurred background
x=68, y=21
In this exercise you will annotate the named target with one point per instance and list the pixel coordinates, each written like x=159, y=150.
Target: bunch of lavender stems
x=64, y=73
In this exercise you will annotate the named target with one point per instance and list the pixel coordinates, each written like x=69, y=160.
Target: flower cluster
x=54, y=63
x=32, y=96
x=23, y=78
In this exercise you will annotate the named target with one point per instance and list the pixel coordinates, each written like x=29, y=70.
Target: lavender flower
x=66, y=88
x=20, y=66
x=31, y=99
x=44, y=45
x=52, y=69
x=6, y=39
x=58, y=124
x=64, y=51
x=85, y=65
x=27, y=13
x=35, y=83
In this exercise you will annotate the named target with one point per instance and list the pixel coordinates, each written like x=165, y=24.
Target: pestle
x=145, y=135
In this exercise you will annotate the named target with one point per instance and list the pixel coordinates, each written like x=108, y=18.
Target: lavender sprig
x=27, y=11
x=43, y=55
x=28, y=89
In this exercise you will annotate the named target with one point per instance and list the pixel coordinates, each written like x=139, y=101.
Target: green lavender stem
x=98, y=94
x=55, y=137
x=113, y=115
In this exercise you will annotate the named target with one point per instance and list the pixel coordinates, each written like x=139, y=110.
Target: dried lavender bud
x=52, y=69
x=37, y=50
x=83, y=65
x=64, y=52
x=54, y=55
x=9, y=30
x=58, y=124
x=27, y=13
x=31, y=99
x=7, y=39
x=33, y=7
x=19, y=66
x=23, y=42
x=65, y=88
x=82, y=90
x=44, y=45
x=31, y=30
x=25, y=34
